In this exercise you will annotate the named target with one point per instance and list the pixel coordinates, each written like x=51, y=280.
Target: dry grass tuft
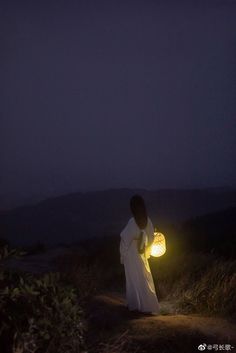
x=119, y=344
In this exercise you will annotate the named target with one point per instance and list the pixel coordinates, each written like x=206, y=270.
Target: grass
x=118, y=344
x=198, y=282
x=32, y=306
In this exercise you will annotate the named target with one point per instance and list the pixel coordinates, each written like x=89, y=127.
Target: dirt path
x=168, y=332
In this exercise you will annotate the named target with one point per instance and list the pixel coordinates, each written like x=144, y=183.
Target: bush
x=39, y=314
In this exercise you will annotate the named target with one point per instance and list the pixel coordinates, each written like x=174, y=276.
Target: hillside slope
x=69, y=218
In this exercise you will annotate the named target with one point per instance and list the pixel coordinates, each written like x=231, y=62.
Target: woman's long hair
x=138, y=208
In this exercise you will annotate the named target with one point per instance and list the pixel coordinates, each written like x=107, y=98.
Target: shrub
x=39, y=314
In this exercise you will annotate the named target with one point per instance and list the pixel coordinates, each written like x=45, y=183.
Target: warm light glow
x=158, y=247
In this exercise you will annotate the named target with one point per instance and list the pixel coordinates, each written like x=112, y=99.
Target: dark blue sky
x=101, y=94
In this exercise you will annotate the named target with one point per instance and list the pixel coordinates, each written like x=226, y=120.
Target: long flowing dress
x=140, y=289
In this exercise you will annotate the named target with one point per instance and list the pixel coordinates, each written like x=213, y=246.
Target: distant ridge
x=69, y=218
x=10, y=201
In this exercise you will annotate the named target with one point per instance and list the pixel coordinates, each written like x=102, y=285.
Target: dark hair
x=138, y=208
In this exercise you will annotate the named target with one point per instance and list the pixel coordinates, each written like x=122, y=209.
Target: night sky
x=109, y=94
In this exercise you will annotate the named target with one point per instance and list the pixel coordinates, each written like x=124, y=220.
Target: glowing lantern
x=158, y=247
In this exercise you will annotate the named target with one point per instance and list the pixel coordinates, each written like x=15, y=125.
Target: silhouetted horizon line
x=44, y=198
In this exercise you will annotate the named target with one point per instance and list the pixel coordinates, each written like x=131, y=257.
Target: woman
x=135, y=246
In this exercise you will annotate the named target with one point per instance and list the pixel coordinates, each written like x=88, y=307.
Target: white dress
x=140, y=289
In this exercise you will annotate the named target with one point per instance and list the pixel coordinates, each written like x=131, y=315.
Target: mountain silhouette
x=70, y=218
